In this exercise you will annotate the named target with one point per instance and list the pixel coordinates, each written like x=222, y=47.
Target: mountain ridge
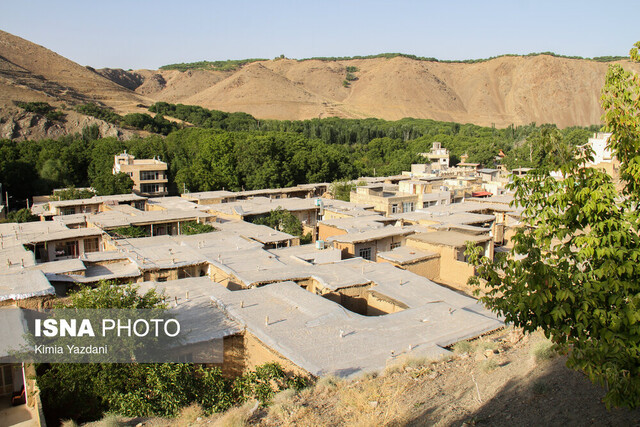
x=495, y=92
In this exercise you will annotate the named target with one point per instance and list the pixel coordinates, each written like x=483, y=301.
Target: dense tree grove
x=234, y=151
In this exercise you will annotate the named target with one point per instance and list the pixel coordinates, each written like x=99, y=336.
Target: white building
x=438, y=156
x=599, y=144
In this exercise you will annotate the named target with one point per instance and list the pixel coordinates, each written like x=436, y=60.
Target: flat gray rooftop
x=323, y=338
x=374, y=234
x=358, y=223
x=259, y=233
x=407, y=255
x=449, y=238
x=23, y=285
x=190, y=300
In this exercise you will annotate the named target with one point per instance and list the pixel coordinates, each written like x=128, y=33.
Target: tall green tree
x=574, y=270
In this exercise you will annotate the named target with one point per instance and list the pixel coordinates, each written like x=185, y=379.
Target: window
x=66, y=249
x=407, y=207
x=430, y=203
x=151, y=175
x=91, y=245
x=68, y=211
x=365, y=253
x=151, y=188
x=394, y=208
x=395, y=245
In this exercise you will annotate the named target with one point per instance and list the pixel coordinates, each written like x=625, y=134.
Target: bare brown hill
x=36, y=73
x=502, y=91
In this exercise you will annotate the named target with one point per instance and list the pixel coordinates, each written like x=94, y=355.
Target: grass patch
x=462, y=347
x=238, y=416
x=489, y=365
x=540, y=387
x=543, y=350
x=487, y=345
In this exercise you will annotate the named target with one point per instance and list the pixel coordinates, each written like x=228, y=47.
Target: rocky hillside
x=502, y=91
x=32, y=73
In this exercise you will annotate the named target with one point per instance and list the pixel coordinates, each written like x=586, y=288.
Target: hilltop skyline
x=147, y=34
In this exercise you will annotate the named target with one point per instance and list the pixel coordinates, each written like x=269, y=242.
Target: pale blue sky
x=148, y=34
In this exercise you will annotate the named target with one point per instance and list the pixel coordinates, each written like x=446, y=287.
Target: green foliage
x=204, y=118
x=350, y=77
x=264, y=382
x=102, y=113
x=130, y=231
x=573, y=270
x=352, y=69
x=236, y=151
x=192, y=227
x=341, y=190
x=346, y=83
x=608, y=58
x=22, y=215
x=107, y=183
x=108, y=294
x=547, y=146
x=544, y=350
x=84, y=392
x=72, y=193
x=43, y=109
x=456, y=61
x=157, y=124
x=281, y=220
x=228, y=65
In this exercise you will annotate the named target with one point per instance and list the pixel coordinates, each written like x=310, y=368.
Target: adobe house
x=368, y=243
x=451, y=245
x=162, y=259
x=51, y=240
x=339, y=226
x=313, y=329
x=155, y=222
x=94, y=204
x=149, y=175
x=210, y=197
x=26, y=288
x=420, y=262
x=488, y=175
x=305, y=210
x=385, y=198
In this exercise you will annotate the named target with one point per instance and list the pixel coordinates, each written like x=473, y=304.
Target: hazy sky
x=148, y=34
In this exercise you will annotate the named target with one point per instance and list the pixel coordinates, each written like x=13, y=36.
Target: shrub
x=192, y=227
x=462, y=347
x=129, y=232
x=543, y=350
x=41, y=108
